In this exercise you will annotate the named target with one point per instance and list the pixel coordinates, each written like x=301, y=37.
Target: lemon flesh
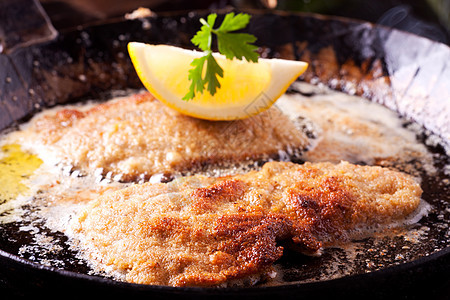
x=246, y=88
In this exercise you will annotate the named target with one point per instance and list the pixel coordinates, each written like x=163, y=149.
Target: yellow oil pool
x=15, y=166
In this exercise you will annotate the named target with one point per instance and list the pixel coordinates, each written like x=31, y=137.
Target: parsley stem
x=203, y=21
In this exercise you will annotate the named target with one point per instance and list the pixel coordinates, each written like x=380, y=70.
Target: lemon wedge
x=246, y=88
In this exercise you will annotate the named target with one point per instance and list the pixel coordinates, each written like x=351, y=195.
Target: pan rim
x=393, y=269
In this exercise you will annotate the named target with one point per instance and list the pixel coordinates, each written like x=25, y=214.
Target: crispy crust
x=201, y=231
x=137, y=137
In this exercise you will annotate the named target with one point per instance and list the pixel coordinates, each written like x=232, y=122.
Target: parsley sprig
x=229, y=43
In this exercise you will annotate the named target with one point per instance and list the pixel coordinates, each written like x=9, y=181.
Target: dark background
x=26, y=22
x=428, y=18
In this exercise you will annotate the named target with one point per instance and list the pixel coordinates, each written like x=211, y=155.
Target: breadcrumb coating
x=137, y=137
x=205, y=231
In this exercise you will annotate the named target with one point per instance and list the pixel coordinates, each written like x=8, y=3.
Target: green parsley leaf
x=237, y=45
x=230, y=44
x=212, y=71
x=233, y=22
x=195, y=76
x=203, y=38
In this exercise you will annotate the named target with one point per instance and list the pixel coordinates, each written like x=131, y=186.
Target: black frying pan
x=396, y=69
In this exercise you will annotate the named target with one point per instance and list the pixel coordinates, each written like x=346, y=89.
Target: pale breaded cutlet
x=137, y=137
x=205, y=231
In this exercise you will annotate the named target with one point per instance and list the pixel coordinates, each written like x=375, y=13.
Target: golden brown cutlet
x=205, y=231
x=136, y=137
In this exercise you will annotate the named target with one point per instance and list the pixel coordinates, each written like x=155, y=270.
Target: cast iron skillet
x=408, y=74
